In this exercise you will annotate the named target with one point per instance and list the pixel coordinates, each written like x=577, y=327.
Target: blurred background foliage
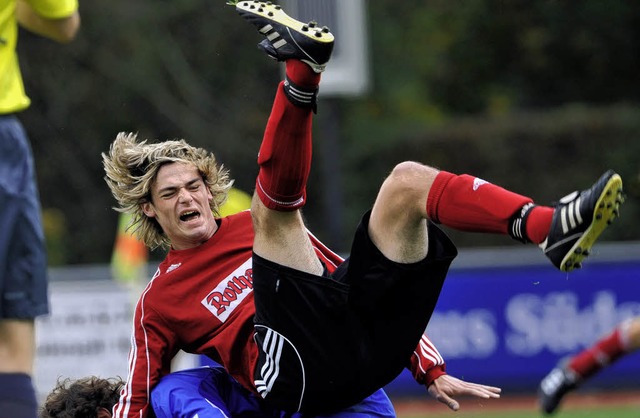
x=539, y=96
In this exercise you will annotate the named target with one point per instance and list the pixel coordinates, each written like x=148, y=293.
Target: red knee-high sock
x=598, y=356
x=470, y=204
x=539, y=223
x=285, y=153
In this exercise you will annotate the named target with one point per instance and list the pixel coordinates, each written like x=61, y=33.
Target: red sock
x=301, y=74
x=601, y=354
x=470, y=204
x=285, y=153
x=539, y=223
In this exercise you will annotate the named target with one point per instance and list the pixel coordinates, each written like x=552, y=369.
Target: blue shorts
x=210, y=392
x=23, y=261
x=17, y=395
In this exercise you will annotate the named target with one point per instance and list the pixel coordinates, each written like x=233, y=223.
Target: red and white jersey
x=201, y=301
x=426, y=363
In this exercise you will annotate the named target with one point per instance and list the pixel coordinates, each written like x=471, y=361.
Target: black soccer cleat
x=554, y=386
x=287, y=38
x=580, y=218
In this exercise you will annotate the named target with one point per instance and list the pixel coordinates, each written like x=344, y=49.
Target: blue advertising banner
x=509, y=325
x=506, y=316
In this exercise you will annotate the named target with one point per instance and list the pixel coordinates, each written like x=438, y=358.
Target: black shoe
x=579, y=219
x=553, y=387
x=287, y=38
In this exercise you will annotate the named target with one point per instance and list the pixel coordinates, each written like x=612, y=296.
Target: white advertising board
x=87, y=333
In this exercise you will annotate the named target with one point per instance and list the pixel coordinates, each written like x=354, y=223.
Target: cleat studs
x=270, y=14
x=305, y=28
x=325, y=29
x=578, y=250
x=318, y=34
x=313, y=24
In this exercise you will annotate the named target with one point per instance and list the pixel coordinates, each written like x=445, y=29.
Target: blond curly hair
x=131, y=167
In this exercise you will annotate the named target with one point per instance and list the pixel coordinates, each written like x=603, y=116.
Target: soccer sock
x=604, y=352
x=470, y=204
x=538, y=224
x=285, y=153
x=531, y=223
x=301, y=74
x=301, y=84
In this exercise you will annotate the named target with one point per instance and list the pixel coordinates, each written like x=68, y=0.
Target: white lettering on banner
x=556, y=322
x=472, y=334
x=533, y=323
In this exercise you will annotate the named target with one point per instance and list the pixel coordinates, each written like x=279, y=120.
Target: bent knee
x=409, y=179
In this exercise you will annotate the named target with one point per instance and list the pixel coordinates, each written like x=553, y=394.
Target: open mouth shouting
x=189, y=216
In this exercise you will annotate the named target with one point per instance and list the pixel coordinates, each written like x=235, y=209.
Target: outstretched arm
x=60, y=28
x=429, y=369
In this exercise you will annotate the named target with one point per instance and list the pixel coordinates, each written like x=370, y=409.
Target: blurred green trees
x=540, y=96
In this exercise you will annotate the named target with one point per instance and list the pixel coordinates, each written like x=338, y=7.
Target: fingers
x=479, y=391
x=450, y=402
x=482, y=391
x=446, y=386
x=441, y=396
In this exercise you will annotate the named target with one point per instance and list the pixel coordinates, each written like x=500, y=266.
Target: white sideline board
x=87, y=333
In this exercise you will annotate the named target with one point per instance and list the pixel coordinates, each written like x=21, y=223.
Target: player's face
x=180, y=204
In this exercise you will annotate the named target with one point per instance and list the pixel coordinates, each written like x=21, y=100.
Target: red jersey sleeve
x=426, y=363
x=152, y=348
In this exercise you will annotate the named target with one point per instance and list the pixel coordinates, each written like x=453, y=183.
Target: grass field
x=604, y=405
x=605, y=412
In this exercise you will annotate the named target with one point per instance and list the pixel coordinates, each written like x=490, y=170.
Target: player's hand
x=445, y=387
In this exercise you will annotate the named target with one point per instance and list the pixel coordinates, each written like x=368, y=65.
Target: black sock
x=301, y=96
x=518, y=223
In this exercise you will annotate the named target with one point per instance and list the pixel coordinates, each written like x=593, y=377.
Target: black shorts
x=327, y=342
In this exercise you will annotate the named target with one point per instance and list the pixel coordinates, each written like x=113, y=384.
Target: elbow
x=69, y=30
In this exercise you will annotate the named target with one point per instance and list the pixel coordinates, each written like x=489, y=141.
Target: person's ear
x=103, y=413
x=148, y=209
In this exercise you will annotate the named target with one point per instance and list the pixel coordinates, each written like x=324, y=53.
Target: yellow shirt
x=12, y=95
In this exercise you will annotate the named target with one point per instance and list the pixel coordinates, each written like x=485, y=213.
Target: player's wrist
x=433, y=373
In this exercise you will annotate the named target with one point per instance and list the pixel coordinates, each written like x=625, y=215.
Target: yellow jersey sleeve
x=12, y=95
x=54, y=9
